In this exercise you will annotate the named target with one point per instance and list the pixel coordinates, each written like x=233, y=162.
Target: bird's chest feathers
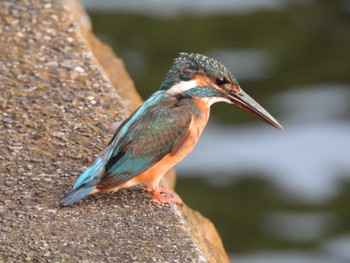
x=200, y=114
x=200, y=118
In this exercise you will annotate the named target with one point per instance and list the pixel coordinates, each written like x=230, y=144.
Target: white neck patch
x=181, y=87
x=187, y=85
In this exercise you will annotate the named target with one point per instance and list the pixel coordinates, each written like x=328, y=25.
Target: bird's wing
x=148, y=140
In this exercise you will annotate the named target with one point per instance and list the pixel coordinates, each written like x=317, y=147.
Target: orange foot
x=170, y=197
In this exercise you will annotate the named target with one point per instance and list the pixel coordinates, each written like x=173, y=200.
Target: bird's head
x=196, y=76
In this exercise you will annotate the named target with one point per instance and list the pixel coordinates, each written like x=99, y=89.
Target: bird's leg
x=170, y=197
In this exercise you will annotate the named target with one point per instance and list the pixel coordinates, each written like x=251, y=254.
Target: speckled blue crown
x=186, y=64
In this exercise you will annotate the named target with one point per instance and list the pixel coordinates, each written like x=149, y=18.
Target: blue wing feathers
x=143, y=141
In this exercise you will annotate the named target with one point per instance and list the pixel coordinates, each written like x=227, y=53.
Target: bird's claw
x=170, y=197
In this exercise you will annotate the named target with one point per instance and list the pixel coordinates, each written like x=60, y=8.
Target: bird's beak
x=238, y=97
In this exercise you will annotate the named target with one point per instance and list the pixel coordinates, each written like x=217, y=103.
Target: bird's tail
x=76, y=194
x=85, y=184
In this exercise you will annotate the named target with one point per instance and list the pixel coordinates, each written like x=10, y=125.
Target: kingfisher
x=164, y=129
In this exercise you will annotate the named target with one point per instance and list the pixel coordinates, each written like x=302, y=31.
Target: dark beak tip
x=279, y=127
x=272, y=122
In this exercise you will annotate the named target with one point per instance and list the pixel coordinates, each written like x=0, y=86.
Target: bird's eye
x=221, y=81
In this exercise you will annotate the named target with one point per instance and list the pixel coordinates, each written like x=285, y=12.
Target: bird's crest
x=188, y=64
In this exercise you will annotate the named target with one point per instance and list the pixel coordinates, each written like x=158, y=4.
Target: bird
x=164, y=129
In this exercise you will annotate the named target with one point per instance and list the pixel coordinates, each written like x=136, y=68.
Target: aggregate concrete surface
x=56, y=107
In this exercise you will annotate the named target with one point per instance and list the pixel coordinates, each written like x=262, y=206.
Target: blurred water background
x=274, y=196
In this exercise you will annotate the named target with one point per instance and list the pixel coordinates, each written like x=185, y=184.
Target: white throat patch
x=181, y=87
